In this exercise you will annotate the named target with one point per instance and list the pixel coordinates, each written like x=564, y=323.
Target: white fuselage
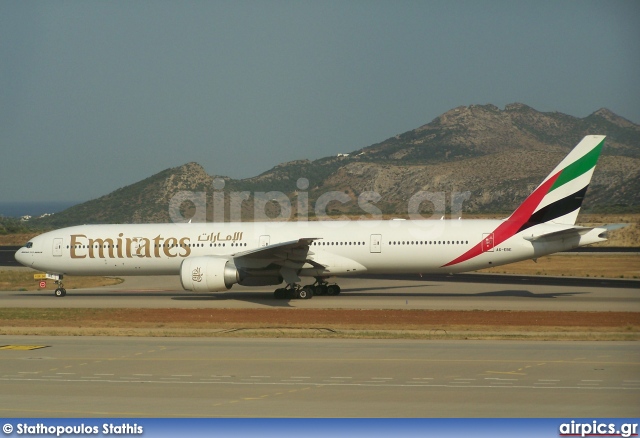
x=345, y=247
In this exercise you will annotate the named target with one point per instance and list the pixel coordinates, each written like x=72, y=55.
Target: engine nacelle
x=208, y=274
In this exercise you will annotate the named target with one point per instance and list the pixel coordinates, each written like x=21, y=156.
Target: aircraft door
x=57, y=247
x=487, y=242
x=376, y=243
x=264, y=241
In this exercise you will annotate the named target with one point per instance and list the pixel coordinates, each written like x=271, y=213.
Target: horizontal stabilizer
x=613, y=227
x=556, y=235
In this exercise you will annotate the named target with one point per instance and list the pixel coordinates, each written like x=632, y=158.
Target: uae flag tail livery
x=551, y=210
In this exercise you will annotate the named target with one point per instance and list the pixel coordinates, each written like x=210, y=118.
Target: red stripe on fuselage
x=510, y=226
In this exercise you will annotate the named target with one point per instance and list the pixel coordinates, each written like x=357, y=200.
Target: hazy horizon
x=17, y=209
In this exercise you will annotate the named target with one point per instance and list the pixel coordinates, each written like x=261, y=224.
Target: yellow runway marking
x=526, y=367
x=22, y=347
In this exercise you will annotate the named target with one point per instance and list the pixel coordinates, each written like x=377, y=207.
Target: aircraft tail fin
x=556, y=200
x=559, y=197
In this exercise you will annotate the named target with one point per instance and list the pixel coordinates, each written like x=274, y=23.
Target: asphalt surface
x=458, y=292
x=141, y=377
x=7, y=256
x=238, y=377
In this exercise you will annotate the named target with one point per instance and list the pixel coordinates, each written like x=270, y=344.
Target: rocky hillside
x=497, y=155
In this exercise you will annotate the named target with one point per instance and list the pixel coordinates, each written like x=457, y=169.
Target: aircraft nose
x=22, y=256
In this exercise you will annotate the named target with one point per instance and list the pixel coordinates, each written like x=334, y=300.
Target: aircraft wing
x=293, y=253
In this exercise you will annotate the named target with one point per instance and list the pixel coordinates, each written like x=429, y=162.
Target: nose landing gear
x=60, y=290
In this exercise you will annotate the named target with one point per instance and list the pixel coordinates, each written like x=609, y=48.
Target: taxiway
x=459, y=292
x=184, y=377
x=240, y=377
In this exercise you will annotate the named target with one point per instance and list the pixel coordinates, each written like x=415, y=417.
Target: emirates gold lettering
x=128, y=246
x=184, y=244
x=171, y=242
x=81, y=247
x=157, y=241
x=143, y=249
x=76, y=242
x=100, y=244
x=119, y=245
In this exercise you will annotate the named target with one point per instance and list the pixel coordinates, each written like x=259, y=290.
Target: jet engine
x=208, y=274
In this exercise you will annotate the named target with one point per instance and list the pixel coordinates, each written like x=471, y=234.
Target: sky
x=98, y=95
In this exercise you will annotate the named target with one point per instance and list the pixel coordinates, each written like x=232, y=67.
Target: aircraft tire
x=60, y=292
x=305, y=293
x=333, y=289
x=321, y=289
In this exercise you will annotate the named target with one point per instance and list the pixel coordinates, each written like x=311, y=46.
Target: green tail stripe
x=577, y=168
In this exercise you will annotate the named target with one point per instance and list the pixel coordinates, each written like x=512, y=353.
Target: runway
x=242, y=377
x=458, y=292
x=143, y=377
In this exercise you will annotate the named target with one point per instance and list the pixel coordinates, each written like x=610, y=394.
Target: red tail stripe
x=509, y=227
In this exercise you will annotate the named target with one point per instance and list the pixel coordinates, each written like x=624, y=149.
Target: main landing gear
x=295, y=291
x=60, y=290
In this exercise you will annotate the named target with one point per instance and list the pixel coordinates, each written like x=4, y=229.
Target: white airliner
x=214, y=256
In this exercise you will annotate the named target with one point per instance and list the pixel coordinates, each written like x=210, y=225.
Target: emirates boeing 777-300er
x=211, y=257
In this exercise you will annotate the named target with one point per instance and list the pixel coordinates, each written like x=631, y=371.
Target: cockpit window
x=29, y=245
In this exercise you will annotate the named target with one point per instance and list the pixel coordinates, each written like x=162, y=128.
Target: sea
x=34, y=209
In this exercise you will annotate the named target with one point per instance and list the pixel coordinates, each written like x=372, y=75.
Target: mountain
x=499, y=156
